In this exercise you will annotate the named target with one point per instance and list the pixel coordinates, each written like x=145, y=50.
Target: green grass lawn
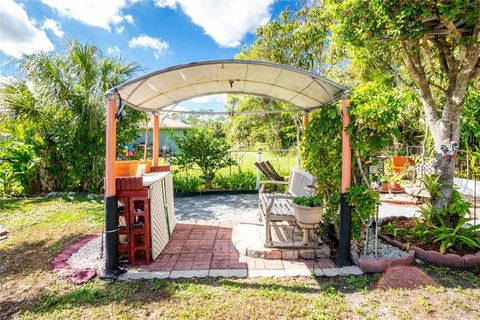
x=41, y=227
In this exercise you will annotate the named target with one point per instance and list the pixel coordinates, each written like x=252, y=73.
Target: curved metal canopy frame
x=163, y=88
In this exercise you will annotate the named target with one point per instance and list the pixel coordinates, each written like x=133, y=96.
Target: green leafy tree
x=276, y=131
x=201, y=149
x=56, y=105
x=432, y=46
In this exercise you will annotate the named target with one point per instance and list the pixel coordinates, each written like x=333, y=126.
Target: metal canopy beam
x=160, y=89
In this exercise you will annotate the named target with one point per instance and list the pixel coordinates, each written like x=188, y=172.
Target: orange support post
x=111, y=226
x=110, y=147
x=156, y=138
x=305, y=120
x=346, y=149
x=343, y=258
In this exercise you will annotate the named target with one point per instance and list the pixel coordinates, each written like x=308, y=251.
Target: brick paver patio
x=207, y=246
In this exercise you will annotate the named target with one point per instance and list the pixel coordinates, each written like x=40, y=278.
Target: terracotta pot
x=384, y=186
x=307, y=216
x=396, y=185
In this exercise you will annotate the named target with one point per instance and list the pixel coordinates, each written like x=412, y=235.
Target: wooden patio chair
x=278, y=207
x=269, y=171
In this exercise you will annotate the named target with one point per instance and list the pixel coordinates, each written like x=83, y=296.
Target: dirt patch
x=402, y=277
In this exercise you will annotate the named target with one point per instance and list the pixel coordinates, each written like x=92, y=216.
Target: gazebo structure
x=158, y=91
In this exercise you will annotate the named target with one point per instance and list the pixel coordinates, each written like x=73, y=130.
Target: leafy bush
x=201, y=149
x=186, y=183
x=363, y=202
x=452, y=213
x=18, y=164
x=240, y=180
x=315, y=201
x=457, y=237
x=446, y=225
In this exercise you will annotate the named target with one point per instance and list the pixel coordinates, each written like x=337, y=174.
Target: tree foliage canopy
x=57, y=107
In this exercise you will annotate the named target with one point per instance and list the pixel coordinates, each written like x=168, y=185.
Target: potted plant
x=308, y=211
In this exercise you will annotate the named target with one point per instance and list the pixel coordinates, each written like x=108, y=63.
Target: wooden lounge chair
x=268, y=170
x=278, y=207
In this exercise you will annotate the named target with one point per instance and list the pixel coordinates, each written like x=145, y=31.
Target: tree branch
x=427, y=54
x=450, y=27
x=414, y=67
x=441, y=57
x=437, y=86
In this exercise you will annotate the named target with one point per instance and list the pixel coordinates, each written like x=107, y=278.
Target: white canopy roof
x=158, y=90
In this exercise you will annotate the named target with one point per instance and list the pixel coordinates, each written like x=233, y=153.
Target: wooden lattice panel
x=162, y=213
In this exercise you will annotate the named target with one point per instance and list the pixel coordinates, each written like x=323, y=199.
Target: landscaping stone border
x=468, y=261
x=373, y=265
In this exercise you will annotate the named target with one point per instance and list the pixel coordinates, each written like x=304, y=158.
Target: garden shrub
x=200, y=149
x=240, y=180
x=184, y=183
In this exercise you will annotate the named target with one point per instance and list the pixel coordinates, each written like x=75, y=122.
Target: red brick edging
x=61, y=261
x=468, y=261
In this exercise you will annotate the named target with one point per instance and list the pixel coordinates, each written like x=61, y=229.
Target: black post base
x=343, y=258
x=111, y=274
x=111, y=239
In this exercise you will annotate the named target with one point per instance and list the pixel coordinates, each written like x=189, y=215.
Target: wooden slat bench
x=278, y=207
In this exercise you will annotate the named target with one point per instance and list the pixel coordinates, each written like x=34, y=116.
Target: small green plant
x=315, y=201
x=390, y=228
x=452, y=213
x=457, y=237
x=363, y=202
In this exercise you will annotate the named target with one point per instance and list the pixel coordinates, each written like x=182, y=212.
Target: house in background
x=168, y=129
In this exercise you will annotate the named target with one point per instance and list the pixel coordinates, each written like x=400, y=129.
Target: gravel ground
x=88, y=256
x=384, y=249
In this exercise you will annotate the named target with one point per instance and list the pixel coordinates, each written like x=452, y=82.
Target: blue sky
x=154, y=33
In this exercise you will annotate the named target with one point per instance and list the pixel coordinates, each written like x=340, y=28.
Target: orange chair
x=399, y=163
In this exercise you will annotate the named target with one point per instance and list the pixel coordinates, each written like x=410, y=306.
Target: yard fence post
x=259, y=159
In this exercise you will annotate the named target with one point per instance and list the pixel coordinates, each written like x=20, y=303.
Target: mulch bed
x=404, y=223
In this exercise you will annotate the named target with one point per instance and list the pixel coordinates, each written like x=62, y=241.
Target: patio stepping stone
x=404, y=277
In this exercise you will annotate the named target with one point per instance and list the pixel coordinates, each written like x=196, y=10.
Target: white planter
x=307, y=217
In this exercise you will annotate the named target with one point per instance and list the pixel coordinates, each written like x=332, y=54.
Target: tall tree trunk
x=445, y=131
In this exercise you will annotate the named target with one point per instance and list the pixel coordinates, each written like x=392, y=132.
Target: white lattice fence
x=162, y=213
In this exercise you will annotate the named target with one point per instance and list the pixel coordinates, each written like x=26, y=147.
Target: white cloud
x=143, y=41
x=129, y=19
x=212, y=98
x=119, y=29
x=114, y=51
x=18, y=35
x=54, y=26
x=96, y=13
x=172, y=4
x=226, y=21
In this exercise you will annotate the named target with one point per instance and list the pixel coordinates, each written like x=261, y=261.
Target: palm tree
x=59, y=99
